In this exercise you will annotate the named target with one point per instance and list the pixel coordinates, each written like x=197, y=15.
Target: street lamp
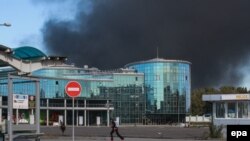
x=5, y=24
x=178, y=112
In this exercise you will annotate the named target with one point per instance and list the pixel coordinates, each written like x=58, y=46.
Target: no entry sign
x=73, y=89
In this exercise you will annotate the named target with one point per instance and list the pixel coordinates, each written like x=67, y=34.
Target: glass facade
x=167, y=86
x=243, y=109
x=220, y=110
x=156, y=91
x=233, y=109
x=123, y=87
x=231, y=112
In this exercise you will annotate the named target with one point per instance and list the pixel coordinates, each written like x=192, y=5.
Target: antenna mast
x=157, y=53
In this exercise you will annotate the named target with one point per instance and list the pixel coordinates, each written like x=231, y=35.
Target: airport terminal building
x=156, y=91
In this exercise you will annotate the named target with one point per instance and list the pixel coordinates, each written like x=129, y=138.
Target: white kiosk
x=233, y=109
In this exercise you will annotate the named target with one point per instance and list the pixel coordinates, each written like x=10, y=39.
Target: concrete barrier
x=198, y=119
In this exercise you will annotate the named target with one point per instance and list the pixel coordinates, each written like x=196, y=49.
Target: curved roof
x=158, y=60
x=28, y=53
x=27, y=59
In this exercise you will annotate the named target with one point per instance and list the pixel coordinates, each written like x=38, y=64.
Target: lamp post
x=178, y=112
x=135, y=113
x=5, y=24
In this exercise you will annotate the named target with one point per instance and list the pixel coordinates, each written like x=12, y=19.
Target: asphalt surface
x=132, y=132
x=138, y=133
x=108, y=139
x=116, y=139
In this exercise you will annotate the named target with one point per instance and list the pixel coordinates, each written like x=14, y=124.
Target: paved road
x=149, y=133
x=108, y=139
x=163, y=132
x=116, y=139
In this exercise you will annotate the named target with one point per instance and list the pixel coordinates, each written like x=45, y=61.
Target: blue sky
x=27, y=18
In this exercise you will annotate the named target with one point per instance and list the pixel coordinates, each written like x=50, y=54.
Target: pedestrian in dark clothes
x=115, y=129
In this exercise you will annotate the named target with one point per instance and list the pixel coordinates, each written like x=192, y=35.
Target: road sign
x=73, y=89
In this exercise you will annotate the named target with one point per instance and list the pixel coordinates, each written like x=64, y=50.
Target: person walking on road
x=114, y=129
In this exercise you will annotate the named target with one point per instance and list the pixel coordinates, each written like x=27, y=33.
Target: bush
x=215, y=131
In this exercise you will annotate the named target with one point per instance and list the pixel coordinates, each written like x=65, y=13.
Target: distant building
x=168, y=87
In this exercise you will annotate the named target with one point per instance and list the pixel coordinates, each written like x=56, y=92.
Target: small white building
x=229, y=109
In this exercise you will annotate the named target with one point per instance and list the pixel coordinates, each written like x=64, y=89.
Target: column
x=1, y=109
x=236, y=109
x=65, y=117
x=214, y=110
x=10, y=107
x=65, y=112
x=85, y=113
x=108, y=118
x=47, y=112
x=226, y=109
x=37, y=107
x=17, y=116
x=47, y=117
x=108, y=113
x=77, y=118
x=248, y=109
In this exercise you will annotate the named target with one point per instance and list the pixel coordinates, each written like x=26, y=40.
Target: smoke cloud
x=213, y=35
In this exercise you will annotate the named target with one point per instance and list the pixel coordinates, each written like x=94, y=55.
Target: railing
x=98, y=105
x=75, y=105
x=56, y=104
x=43, y=104
x=68, y=105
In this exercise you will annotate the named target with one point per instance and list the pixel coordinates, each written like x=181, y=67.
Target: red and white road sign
x=73, y=89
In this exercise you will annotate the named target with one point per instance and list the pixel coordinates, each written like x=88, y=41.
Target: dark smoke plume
x=213, y=35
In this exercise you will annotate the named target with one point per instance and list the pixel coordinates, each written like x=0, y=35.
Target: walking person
x=114, y=129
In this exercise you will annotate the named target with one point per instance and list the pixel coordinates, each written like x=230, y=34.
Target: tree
x=241, y=90
x=199, y=107
x=228, y=90
x=196, y=103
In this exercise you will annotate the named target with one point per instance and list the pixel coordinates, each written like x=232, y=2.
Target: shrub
x=215, y=131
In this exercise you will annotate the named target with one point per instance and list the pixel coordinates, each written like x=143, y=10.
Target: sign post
x=73, y=90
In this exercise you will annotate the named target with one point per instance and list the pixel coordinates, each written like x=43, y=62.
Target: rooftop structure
x=27, y=59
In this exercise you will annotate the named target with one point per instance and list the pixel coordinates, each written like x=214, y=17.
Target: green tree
x=241, y=90
x=196, y=101
x=228, y=90
x=232, y=90
x=199, y=107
